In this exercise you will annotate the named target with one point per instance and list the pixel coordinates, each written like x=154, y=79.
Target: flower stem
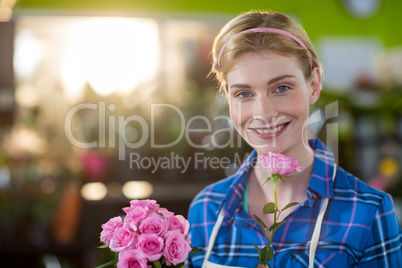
x=275, y=181
x=276, y=201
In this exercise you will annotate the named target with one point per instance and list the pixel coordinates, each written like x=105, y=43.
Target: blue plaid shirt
x=359, y=228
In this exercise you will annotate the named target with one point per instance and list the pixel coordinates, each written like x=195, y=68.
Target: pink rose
x=164, y=211
x=178, y=222
x=151, y=245
x=279, y=163
x=134, y=216
x=154, y=224
x=148, y=203
x=122, y=238
x=176, y=248
x=132, y=258
x=108, y=229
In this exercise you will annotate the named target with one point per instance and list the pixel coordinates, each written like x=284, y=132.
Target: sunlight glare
x=111, y=54
x=93, y=191
x=137, y=189
x=28, y=53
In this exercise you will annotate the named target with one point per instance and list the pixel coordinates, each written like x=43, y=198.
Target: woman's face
x=269, y=101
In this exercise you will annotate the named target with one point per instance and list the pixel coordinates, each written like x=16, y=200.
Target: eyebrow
x=279, y=78
x=273, y=80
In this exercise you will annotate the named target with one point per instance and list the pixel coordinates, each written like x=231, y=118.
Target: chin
x=275, y=149
x=281, y=146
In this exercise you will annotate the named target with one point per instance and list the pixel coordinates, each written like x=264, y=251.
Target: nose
x=265, y=108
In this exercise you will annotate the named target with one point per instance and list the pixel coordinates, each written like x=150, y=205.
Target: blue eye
x=243, y=95
x=282, y=89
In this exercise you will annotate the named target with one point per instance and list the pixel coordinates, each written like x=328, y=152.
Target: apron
x=313, y=243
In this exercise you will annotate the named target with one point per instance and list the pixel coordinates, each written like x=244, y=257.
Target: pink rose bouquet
x=147, y=236
x=278, y=166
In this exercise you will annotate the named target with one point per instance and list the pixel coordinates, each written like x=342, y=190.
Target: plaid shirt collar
x=320, y=183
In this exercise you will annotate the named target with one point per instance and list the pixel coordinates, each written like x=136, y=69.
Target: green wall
x=319, y=17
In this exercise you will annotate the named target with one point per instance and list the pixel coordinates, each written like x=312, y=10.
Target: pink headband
x=262, y=30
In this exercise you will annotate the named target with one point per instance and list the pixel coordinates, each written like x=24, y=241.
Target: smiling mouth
x=265, y=131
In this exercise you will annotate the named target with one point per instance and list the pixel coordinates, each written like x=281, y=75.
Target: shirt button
x=311, y=196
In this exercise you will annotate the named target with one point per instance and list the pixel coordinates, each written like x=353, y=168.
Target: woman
x=268, y=68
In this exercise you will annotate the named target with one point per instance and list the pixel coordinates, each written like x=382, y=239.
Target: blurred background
x=92, y=92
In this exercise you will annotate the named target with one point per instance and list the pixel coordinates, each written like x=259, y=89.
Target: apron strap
x=207, y=263
x=317, y=229
x=213, y=235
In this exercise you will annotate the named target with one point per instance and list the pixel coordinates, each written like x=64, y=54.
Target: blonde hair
x=259, y=42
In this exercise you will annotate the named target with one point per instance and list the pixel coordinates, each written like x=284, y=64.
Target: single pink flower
x=176, y=249
x=151, y=245
x=154, y=224
x=132, y=258
x=134, y=216
x=108, y=229
x=123, y=238
x=178, y=222
x=280, y=164
x=148, y=203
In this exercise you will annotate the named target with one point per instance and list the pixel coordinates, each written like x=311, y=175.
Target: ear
x=315, y=84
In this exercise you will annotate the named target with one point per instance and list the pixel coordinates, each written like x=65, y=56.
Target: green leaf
x=288, y=177
x=258, y=249
x=260, y=221
x=267, y=254
x=163, y=260
x=276, y=225
x=103, y=246
x=196, y=250
x=157, y=264
x=270, y=254
x=290, y=205
x=267, y=180
x=264, y=254
x=269, y=208
x=111, y=263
